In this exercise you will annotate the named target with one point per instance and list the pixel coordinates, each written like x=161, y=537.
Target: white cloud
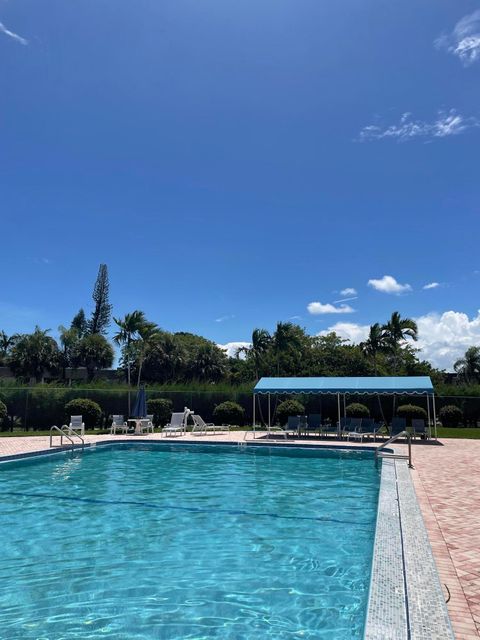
x=11, y=34
x=223, y=318
x=442, y=338
x=447, y=123
x=464, y=40
x=348, y=331
x=349, y=291
x=431, y=285
x=317, y=308
x=388, y=284
x=445, y=338
x=231, y=348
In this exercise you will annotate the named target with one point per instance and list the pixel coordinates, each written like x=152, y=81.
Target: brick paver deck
x=447, y=482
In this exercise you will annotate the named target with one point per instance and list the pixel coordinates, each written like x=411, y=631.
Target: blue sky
x=235, y=161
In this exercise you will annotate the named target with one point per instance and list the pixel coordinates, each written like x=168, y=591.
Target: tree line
x=150, y=354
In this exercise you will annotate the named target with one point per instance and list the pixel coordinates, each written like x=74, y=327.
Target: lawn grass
x=459, y=432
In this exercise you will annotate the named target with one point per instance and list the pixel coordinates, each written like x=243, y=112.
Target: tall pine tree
x=100, y=320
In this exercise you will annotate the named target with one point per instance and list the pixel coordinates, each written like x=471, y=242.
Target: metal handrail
x=67, y=435
x=392, y=439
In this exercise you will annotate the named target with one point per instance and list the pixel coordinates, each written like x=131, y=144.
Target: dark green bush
x=3, y=412
x=289, y=408
x=229, y=413
x=161, y=409
x=450, y=415
x=410, y=411
x=357, y=410
x=90, y=410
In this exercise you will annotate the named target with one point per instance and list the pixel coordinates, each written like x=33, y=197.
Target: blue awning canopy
x=404, y=385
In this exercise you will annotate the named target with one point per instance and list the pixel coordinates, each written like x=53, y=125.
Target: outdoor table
x=138, y=425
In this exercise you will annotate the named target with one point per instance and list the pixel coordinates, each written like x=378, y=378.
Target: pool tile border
x=406, y=601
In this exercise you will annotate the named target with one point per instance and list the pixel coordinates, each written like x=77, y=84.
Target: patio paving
x=447, y=483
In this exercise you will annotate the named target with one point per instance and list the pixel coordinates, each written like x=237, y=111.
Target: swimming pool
x=187, y=541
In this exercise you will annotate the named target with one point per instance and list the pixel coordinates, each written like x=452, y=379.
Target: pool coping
x=405, y=600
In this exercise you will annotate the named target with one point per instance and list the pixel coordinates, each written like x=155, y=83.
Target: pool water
x=187, y=542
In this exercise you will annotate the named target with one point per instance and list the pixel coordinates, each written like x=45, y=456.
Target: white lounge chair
x=118, y=424
x=147, y=424
x=272, y=430
x=201, y=427
x=76, y=424
x=177, y=424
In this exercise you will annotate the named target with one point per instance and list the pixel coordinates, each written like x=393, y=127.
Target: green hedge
x=289, y=408
x=357, y=410
x=450, y=415
x=161, y=409
x=411, y=411
x=88, y=409
x=229, y=413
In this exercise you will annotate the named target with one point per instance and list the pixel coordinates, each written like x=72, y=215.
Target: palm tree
x=285, y=338
x=69, y=339
x=6, y=344
x=468, y=367
x=374, y=344
x=129, y=327
x=261, y=341
x=147, y=333
x=33, y=354
x=396, y=332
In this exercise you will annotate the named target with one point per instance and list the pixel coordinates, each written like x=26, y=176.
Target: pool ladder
x=379, y=453
x=65, y=433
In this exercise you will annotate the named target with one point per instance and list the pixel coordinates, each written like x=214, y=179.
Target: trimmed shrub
x=357, y=410
x=229, y=413
x=90, y=410
x=450, y=415
x=3, y=412
x=410, y=411
x=289, y=408
x=161, y=409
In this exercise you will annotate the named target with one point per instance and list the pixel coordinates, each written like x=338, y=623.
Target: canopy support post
x=339, y=415
x=429, y=419
x=254, y=416
x=268, y=413
x=434, y=416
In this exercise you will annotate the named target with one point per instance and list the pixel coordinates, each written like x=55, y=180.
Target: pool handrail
x=406, y=434
x=71, y=432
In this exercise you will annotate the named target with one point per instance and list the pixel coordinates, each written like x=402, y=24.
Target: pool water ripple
x=187, y=543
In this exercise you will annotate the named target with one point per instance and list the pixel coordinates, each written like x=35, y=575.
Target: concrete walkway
x=447, y=482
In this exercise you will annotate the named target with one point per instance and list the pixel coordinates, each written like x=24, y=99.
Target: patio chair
x=354, y=429
x=200, y=427
x=147, y=424
x=293, y=425
x=398, y=425
x=419, y=428
x=273, y=429
x=118, y=424
x=302, y=425
x=314, y=422
x=328, y=428
x=76, y=424
x=344, y=425
x=177, y=424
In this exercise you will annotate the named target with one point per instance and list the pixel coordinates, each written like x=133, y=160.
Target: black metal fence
x=42, y=407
